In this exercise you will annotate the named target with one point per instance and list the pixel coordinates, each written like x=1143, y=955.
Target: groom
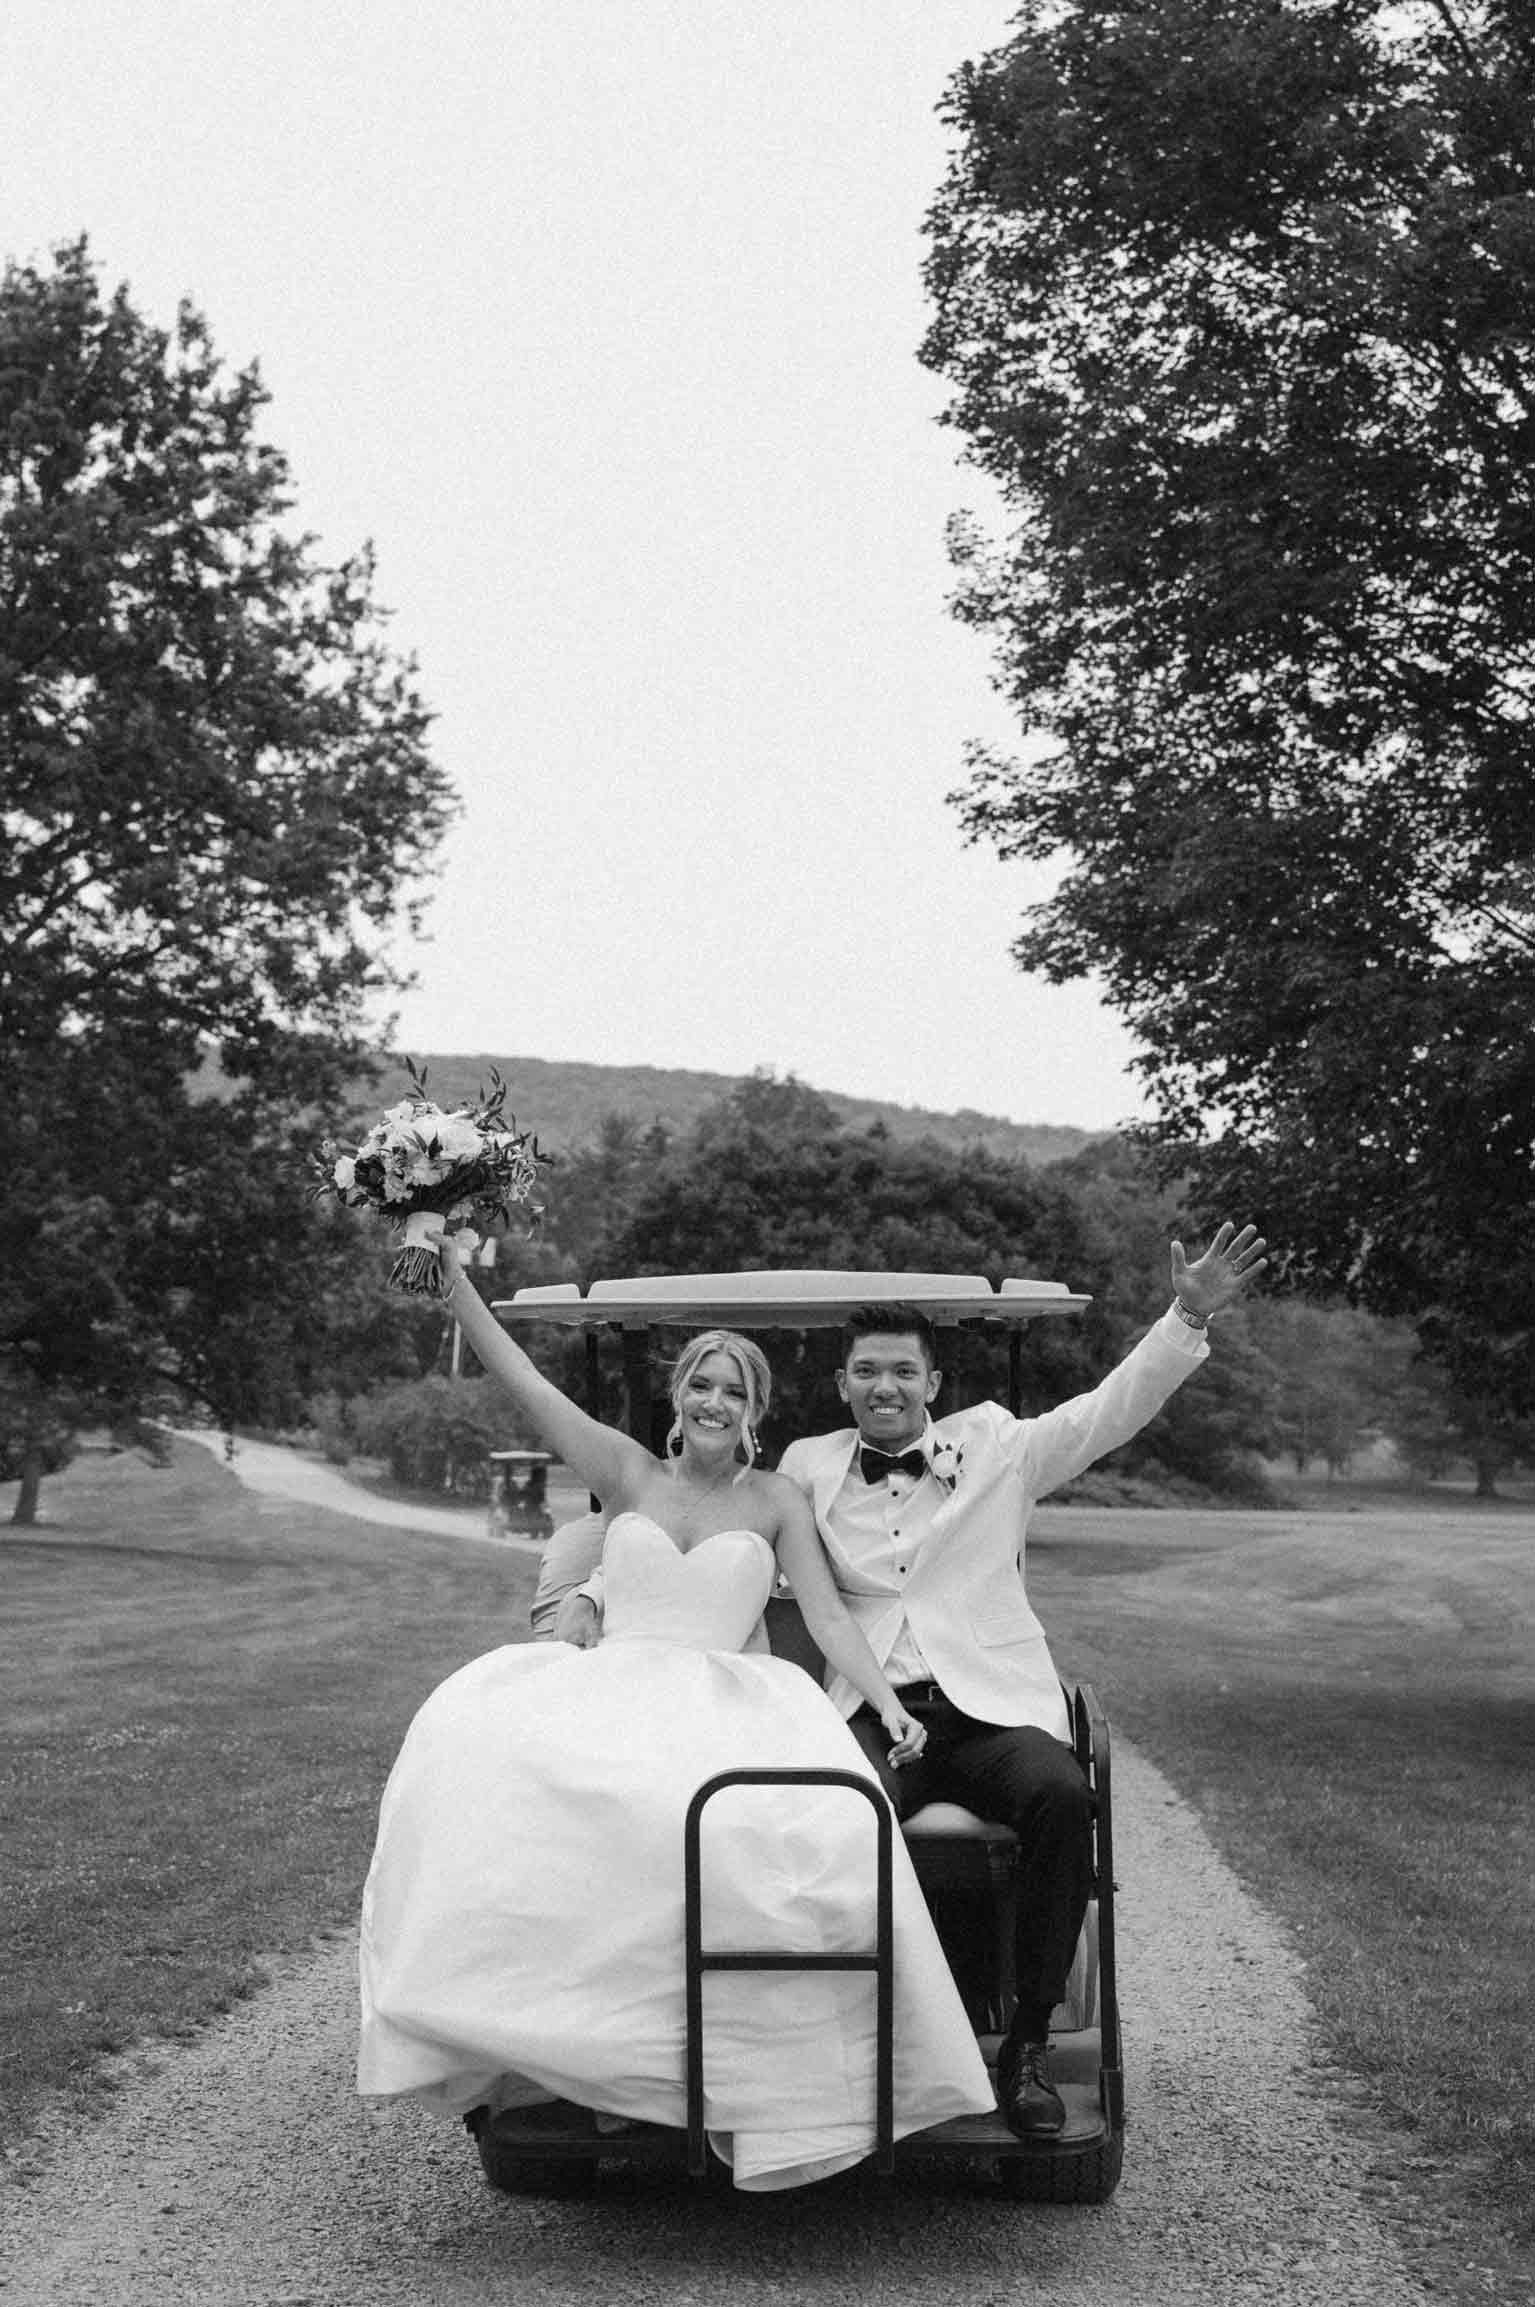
x=924, y=1524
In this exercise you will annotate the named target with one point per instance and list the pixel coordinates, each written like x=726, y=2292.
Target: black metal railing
x=700, y=1959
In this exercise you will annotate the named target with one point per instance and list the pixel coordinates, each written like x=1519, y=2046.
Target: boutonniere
x=948, y=1464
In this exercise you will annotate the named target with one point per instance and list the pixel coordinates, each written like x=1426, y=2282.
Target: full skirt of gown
x=522, y=1927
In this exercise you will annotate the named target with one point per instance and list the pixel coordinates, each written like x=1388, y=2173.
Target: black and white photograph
x=767, y=984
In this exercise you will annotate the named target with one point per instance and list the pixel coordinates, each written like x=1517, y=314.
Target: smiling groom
x=924, y=1523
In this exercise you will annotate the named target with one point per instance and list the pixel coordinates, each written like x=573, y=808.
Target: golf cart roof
x=785, y=1300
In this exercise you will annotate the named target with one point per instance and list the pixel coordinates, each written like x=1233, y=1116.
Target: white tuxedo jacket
x=963, y=1595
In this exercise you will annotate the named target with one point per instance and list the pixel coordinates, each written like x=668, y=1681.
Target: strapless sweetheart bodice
x=711, y=1597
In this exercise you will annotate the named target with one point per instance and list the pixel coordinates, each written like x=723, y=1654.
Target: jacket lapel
x=828, y=1477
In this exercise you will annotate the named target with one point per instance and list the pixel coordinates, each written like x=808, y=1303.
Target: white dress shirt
x=886, y=1524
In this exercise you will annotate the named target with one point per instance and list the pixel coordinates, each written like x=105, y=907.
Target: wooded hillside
x=565, y=1104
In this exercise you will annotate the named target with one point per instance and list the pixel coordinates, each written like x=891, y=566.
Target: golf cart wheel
x=1088, y=2177
x=513, y=2174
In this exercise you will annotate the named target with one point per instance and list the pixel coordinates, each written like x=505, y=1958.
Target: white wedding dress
x=522, y=1926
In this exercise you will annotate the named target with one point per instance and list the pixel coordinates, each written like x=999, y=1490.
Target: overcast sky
x=600, y=318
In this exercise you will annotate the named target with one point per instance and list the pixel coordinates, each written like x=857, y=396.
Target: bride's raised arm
x=607, y=1461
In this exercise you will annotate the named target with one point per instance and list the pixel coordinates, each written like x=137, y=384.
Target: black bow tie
x=874, y=1465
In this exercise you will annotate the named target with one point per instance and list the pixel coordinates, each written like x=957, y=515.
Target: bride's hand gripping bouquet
x=432, y=1170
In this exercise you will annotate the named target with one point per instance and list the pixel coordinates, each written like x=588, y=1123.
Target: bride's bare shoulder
x=781, y=1497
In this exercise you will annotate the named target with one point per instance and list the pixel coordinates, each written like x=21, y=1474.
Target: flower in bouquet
x=433, y=1169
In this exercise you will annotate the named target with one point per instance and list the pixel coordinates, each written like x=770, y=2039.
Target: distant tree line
x=769, y=1177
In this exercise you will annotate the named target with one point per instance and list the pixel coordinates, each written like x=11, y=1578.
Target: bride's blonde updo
x=756, y=1377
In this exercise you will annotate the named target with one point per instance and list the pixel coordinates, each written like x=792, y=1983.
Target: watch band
x=1187, y=1314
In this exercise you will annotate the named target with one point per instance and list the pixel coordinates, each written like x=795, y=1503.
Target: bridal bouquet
x=431, y=1169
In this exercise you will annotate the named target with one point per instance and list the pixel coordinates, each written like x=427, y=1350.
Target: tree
x=216, y=776
x=769, y=1178
x=1335, y=1372
x=217, y=796
x=1238, y=302
x=1436, y=1427
x=1213, y=1432
x=592, y=1189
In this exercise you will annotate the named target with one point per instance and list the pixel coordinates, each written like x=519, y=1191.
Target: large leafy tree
x=217, y=795
x=1237, y=299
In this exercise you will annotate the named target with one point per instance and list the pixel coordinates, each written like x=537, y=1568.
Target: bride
x=522, y=1925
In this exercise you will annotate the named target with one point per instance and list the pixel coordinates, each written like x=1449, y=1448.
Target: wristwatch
x=1187, y=1314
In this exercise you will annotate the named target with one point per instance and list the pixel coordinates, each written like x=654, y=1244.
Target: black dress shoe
x=1026, y=2093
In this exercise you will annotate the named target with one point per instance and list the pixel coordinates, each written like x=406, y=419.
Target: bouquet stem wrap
x=418, y=1268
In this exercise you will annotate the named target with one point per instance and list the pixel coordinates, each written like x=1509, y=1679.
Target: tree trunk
x=1486, y=1477
x=31, y=1483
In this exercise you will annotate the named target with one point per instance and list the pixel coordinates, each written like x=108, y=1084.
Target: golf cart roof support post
x=948, y=1360
x=592, y=1342
x=637, y=1389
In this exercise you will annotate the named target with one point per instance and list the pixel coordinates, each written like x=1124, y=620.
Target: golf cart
x=966, y=1865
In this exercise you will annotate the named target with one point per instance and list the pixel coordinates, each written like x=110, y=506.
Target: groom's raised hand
x=1228, y=1266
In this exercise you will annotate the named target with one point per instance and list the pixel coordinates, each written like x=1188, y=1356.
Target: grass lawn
x=1349, y=1700
x=205, y=1690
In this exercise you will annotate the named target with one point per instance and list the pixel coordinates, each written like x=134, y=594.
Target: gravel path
x=274, y=1471
x=241, y=2172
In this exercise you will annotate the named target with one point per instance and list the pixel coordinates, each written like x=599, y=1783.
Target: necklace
x=694, y=1500
x=693, y=1491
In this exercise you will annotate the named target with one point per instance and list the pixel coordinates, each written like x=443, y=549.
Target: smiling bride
x=522, y=1926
